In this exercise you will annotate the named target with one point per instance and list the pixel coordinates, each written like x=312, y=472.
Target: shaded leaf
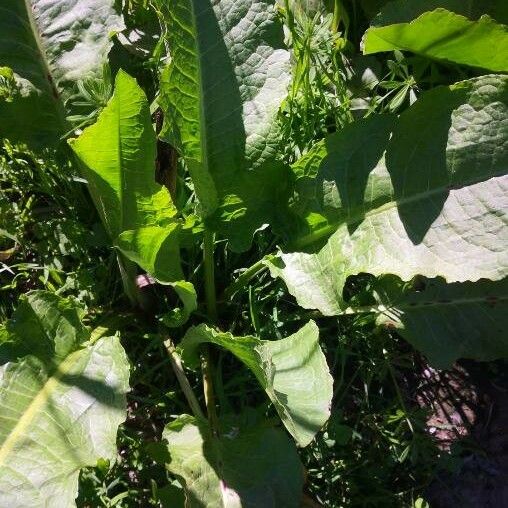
x=292, y=371
x=245, y=466
x=62, y=397
x=447, y=321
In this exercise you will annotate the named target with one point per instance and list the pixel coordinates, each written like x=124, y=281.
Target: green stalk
x=211, y=309
x=182, y=379
x=209, y=266
x=246, y=276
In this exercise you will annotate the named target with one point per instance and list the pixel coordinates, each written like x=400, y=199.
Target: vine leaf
x=220, y=94
x=49, y=48
x=246, y=465
x=62, y=397
x=292, y=371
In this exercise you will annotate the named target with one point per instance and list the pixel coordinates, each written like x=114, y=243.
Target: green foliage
x=246, y=465
x=39, y=45
x=429, y=202
x=62, y=397
x=292, y=371
x=220, y=95
x=434, y=35
x=220, y=134
x=118, y=157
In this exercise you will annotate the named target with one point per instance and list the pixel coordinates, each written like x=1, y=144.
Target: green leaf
x=352, y=152
x=433, y=205
x=62, y=397
x=292, y=371
x=179, y=316
x=248, y=466
x=117, y=155
x=220, y=94
x=447, y=321
x=444, y=35
x=404, y=11
x=49, y=48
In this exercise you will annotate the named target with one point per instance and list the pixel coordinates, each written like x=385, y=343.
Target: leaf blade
x=75, y=402
x=292, y=371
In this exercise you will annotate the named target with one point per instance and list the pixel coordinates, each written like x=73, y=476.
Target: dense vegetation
x=234, y=234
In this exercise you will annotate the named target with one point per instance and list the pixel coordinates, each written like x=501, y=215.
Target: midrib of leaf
x=202, y=108
x=379, y=309
x=48, y=74
x=359, y=216
x=119, y=167
x=36, y=405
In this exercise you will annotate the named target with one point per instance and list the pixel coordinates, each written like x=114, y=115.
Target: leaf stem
x=209, y=267
x=211, y=309
x=245, y=277
x=176, y=364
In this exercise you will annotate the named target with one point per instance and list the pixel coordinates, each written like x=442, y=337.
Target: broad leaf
x=356, y=150
x=247, y=466
x=445, y=35
x=62, y=397
x=118, y=160
x=447, y=321
x=404, y=11
x=50, y=46
x=292, y=371
x=434, y=204
x=220, y=94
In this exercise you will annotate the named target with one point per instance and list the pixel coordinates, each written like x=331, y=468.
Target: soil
x=468, y=411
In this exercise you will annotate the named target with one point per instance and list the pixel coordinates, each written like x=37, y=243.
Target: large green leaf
x=118, y=160
x=356, y=150
x=445, y=35
x=434, y=204
x=404, y=11
x=246, y=466
x=62, y=397
x=292, y=371
x=50, y=46
x=220, y=94
x=446, y=321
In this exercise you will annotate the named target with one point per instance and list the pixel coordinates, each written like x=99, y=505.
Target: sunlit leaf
x=292, y=371
x=50, y=46
x=220, y=93
x=62, y=397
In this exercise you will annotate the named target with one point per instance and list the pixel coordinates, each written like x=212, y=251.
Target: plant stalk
x=245, y=277
x=176, y=364
x=211, y=309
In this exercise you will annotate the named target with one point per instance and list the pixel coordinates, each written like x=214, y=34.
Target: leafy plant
x=397, y=217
